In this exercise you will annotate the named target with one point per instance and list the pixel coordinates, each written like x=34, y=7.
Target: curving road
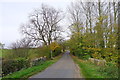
x=64, y=68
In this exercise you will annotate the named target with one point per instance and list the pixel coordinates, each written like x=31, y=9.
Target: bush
x=57, y=51
x=81, y=53
x=38, y=61
x=109, y=70
x=10, y=66
x=22, y=63
x=77, y=52
x=86, y=56
x=109, y=54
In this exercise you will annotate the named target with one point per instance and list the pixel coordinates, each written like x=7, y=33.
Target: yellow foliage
x=94, y=49
x=96, y=55
x=54, y=45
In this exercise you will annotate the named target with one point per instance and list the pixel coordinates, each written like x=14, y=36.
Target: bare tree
x=44, y=25
x=15, y=45
x=23, y=43
x=88, y=11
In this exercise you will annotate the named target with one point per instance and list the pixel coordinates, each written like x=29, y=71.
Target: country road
x=63, y=68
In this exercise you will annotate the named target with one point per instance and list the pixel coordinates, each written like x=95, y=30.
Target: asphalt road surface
x=63, y=68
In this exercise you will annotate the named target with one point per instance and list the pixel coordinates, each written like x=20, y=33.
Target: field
x=5, y=52
x=29, y=53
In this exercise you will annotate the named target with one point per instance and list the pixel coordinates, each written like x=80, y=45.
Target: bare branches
x=23, y=43
x=43, y=24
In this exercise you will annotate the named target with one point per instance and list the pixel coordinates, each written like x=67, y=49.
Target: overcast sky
x=14, y=13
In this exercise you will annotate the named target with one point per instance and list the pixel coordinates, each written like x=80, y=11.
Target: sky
x=14, y=13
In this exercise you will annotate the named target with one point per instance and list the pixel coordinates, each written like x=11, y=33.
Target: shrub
x=10, y=66
x=38, y=61
x=86, y=56
x=57, y=51
x=109, y=70
x=22, y=63
x=109, y=54
x=7, y=67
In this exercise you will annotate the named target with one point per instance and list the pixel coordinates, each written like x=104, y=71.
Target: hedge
x=10, y=66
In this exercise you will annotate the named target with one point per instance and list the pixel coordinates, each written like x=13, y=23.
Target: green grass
x=25, y=73
x=90, y=70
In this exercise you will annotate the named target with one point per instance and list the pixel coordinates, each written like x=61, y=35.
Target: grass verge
x=26, y=73
x=90, y=70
